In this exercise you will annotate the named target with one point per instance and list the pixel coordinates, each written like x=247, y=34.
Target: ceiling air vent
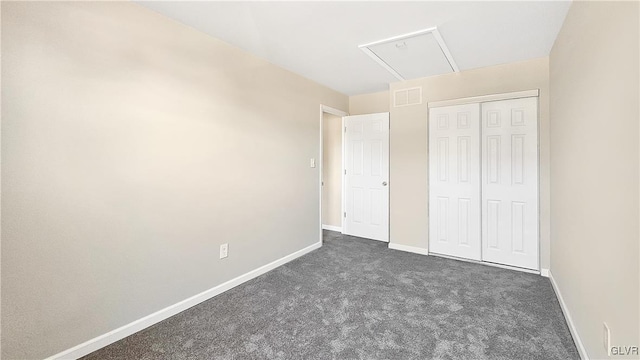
x=410, y=96
x=414, y=55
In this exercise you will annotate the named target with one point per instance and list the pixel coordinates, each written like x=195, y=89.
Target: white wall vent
x=405, y=97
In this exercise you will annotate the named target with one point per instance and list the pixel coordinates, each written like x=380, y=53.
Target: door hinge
x=345, y=129
x=345, y=214
x=345, y=171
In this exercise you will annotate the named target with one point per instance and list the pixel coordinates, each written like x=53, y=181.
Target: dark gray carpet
x=356, y=299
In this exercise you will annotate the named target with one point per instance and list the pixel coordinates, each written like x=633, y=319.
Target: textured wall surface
x=132, y=147
x=594, y=171
x=332, y=170
x=369, y=103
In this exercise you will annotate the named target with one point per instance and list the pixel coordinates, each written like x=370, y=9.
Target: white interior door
x=366, y=159
x=510, y=182
x=454, y=181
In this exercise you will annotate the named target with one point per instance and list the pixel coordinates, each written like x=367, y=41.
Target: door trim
x=486, y=98
x=336, y=112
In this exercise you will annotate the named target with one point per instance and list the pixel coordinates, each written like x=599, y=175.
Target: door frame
x=333, y=111
x=481, y=99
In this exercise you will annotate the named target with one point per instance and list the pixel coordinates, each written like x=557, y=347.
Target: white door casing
x=454, y=181
x=366, y=178
x=510, y=182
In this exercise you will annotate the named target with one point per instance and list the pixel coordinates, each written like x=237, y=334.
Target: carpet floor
x=356, y=299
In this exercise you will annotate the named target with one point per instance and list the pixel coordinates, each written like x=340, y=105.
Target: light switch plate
x=312, y=163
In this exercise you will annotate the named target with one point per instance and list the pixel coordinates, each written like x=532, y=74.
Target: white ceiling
x=319, y=40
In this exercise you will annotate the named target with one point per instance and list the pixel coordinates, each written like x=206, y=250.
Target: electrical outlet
x=224, y=251
x=606, y=338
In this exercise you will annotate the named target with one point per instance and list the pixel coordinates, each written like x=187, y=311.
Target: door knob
x=384, y=183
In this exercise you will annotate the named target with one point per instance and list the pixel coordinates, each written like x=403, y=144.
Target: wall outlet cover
x=606, y=340
x=224, y=251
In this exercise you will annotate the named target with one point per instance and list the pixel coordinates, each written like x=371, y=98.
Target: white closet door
x=510, y=182
x=367, y=176
x=454, y=181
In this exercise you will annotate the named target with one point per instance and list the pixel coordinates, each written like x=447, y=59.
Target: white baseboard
x=101, y=341
x=407, y=248
x=544, y=272
x=332, y=228
x=567, y=315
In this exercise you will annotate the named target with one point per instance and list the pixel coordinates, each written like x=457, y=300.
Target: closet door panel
x=510, y=182
x=454, y=181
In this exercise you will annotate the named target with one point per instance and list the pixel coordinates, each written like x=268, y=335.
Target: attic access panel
x=414, y=55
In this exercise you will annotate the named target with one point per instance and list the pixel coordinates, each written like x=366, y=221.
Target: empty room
x=320, y=180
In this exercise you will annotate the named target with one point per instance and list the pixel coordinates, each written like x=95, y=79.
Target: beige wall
x=132, y=147
x=408, y=179
x=331, y=170
x=594, y=171
x=1, y=348
x=369, y=103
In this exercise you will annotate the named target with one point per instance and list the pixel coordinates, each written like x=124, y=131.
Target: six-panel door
x=454, y=181
x=367, y=176
x=510, y=182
